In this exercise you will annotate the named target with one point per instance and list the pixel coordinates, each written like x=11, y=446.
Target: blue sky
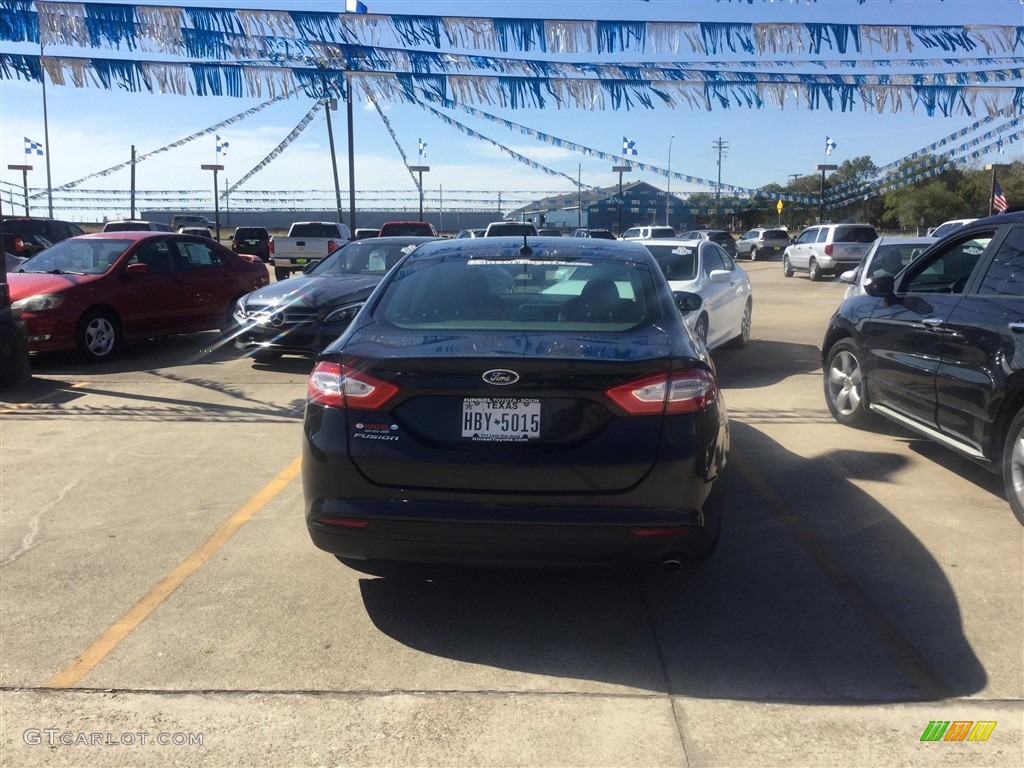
x=92, y=129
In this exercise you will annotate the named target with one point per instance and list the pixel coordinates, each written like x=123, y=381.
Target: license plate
x=302, y=261
x=500, y=418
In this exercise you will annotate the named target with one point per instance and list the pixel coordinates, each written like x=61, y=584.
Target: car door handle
x=932, y=323
x=1016, y=327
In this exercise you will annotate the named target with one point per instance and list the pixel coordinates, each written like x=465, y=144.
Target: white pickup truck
x=307, y=242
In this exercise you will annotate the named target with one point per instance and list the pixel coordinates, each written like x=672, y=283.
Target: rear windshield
x=504, y=230
x=721, y=237
x=775, y=234
x=363, y=257
x=677, y=262
x=251, y=233
x=663, y=232
x=314, y=229
x=405, y=230
x=855, y=235
x=531, y=293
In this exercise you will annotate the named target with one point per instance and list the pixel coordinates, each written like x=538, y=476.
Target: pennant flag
x=998, y=198
x=354, y=6
x=829, y=145
x=423, y=148
x=33, y=147
x=999, y=147
x=222, y=146
x=628, y=146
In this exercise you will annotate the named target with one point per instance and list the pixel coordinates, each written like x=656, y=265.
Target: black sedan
x=502, y=403
x=939, y=349
x=304, y=314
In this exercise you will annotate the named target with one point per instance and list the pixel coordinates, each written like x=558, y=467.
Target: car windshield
x=363, y=257
x=543, y=292
x=677, y=262
x=75, y=256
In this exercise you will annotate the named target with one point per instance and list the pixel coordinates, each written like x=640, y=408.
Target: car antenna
x=526, y=250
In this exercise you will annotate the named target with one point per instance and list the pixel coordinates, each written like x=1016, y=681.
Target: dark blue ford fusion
x=501, y=401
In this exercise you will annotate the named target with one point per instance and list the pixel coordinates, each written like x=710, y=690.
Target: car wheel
x=98, y=336
x=753, y=254
x=1013, y=466
x=845, y=392
x=700, y=330
x=814, y=271
x=787, y=267
x=738, y=342
x=280, y=273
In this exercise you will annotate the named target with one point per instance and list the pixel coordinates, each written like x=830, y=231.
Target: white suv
x=828, y=249
x=647, y=233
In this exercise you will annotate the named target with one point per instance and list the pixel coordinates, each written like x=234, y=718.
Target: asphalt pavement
x=162, y=604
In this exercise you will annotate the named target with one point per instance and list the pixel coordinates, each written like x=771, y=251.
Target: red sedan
x=94, y=292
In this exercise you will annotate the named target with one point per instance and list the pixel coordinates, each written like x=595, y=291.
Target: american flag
x=998, y=198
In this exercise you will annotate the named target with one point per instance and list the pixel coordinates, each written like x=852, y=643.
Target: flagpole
x=46, y=136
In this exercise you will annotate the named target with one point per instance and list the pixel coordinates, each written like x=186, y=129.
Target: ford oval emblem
x=500, y=377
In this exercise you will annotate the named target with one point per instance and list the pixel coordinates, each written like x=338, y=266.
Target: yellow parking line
x=34, y=400
x=121, y=628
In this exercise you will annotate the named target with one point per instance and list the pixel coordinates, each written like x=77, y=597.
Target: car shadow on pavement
x=762, y=363
x=816, y=593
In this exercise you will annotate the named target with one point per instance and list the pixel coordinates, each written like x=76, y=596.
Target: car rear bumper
x=487, y=534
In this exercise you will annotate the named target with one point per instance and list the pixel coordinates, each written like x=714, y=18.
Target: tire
x=753, y=253
x=738, y=342
x=814, y=271
x=700, y=330
x=787, y=267
x=98, y=335
x=280, y=273
x=1013, y=466
x=843, y=381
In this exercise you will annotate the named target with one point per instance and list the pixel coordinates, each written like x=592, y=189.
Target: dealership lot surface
x=156, y=580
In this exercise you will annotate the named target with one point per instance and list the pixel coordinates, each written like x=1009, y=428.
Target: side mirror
x=849, y=276
x=687, y=302
x=720, y=276
x=880, y=286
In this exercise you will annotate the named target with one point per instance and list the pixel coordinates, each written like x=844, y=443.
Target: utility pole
x=721, y=147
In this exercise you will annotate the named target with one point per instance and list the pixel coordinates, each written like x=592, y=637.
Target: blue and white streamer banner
x=166, y=28
x=181, y=142
x=296, y=131
x=394, y=138
x=584, y=150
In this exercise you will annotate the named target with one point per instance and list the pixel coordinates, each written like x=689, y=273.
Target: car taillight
x=270, y=246
x=684, y=392
x=828, y=249
x=340, y=386
x=331, y=246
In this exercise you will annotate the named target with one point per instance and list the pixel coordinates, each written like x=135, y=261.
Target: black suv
x=937, y=349
x=31, y=230
x=252, y=240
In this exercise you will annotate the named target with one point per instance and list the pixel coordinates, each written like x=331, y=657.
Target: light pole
x=668, y=183
x=821, y=190
x=620, y=169
x=24, y=180
x=216, y=205
x=420, y=169
x=331, y=104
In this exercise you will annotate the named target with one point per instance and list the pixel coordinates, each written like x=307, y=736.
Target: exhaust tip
x=670, y=565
